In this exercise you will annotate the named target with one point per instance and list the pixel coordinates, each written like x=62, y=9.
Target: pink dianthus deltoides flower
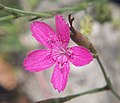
x=57, y=52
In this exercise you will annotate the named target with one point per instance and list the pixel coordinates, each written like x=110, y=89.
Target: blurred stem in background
x=102, y=14
x=21, y=13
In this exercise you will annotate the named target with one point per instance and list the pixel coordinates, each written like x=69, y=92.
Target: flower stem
x=70, y=97
x=20, y=13
x=115, y=93
x=46, y=14
x=102, y=69
x=106, y=78
x=9, y=17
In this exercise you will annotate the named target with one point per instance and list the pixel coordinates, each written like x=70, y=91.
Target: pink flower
x=57, y=52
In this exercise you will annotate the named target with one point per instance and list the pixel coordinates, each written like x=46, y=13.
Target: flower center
x=61, y=56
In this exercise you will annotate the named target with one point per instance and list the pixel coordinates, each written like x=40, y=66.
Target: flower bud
x=79, y=38
x=82, y=40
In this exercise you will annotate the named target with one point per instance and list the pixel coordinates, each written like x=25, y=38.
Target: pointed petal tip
x=58, y=15
x=60, y=18
x=35, y=24
x=58, y=89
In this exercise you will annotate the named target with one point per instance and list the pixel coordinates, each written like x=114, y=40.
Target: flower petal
x=60, y=76
x=62, y=29
x=43, y=33
x=38, y=60
x=79, y=55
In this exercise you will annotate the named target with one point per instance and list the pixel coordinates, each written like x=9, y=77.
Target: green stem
x=102, y=69
x=28, y=13
x=20, y=13
x=67, y=98
x=106, y=78
x=112, y=90
x=90, y=91
x=9, y=17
